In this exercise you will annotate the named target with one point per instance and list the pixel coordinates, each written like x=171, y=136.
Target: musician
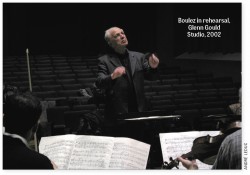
x=21, y=115
x=229, y=154
x=121, y=73
x=236, y=108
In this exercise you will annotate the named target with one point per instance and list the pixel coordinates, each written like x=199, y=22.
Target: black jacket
x=116, y=90
x=16, y=155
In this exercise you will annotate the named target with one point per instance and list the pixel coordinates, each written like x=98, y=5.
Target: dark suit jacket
x=16, y=155
x=116, y=90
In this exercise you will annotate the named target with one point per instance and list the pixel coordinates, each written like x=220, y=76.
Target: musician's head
x=116, y=39
x=22, y=112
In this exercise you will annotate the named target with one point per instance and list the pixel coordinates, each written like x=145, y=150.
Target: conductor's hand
x=153, y=61
x=189, y=164
x=119, y=71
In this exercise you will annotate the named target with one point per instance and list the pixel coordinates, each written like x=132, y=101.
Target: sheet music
x=95, y=152
x=58, y=149
x=176, y=144
x=129, y=154
x=91, y=152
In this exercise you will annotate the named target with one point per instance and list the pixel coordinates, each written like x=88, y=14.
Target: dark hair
x=22, y=112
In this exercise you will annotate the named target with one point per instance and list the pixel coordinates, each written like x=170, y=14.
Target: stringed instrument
x=205, y=148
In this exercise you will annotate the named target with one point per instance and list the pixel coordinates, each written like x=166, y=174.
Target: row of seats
x=58, y=79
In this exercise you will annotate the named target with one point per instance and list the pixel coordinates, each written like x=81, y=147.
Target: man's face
x=118, y=38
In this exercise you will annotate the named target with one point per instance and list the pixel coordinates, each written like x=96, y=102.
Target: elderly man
x=121, y=73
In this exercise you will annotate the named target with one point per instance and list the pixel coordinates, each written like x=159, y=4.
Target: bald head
x=116, y=39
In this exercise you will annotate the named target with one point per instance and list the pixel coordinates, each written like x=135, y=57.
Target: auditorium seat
x=170, y=81
x=62, y=68
x=63, y=72
x=204, y=79
x=86, y=82
x=213, y=90
x=207, y=94
x=25, y=77
x=55, y=115
x=51, y=87
x=10, y=69
x=43, y=65
x=79, y=67
x=167, y=92
x=190, y=106
x=168, y=76
x=192, y=91
x=150, y=83
x=80, y=100
x=213, y=111
x=19, y=73
x=20, y=83
x=9, y=79
x=7, y=74
x=186, y=75
x=77, y=63
x=26, y=88
x=185, y=101
x=168, y=70
x=59, y=62
x=231, y=99
x=86, y=107
x=161, y=102
x=47, y=77
x=44, y=82
x=228, y=91
x=60, y=101
x=183, y=87
x=204, y=75
x=66, y=76
x=187, y=80
x=43, y=72
x=76, y=86
x=159, y=88
x=184, y=95
x=86, y=75
x=66, y=81
x=148, y=88
x=207, y=99
x=149, y=94
x=216, y=104
x=45, y=94
x=161, y=97
x=68, y=93
x=223, y=79
x=207, y=85
x=44, y=68
x=223, y=84
x=82, y=71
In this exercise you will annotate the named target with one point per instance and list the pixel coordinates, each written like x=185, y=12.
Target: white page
x=91, y=152
x=176, y=144
x=58, y=149
x=129, y=154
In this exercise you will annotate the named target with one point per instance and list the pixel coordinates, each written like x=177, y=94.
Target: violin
x=205, y=148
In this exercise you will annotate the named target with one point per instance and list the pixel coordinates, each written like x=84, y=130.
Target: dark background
x=78, y=29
